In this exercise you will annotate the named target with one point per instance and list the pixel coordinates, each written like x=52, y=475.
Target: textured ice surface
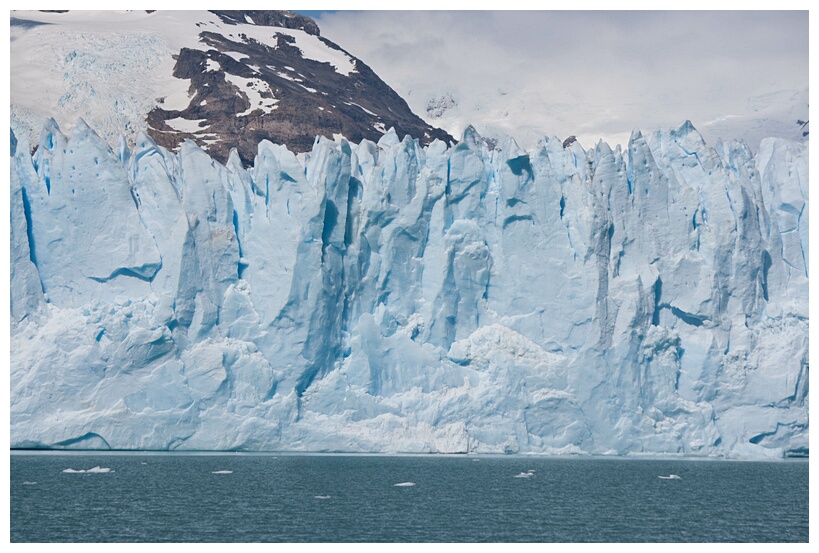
x=384, y=297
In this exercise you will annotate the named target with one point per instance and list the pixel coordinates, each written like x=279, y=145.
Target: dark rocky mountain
x=243, y=90
x=270, y=18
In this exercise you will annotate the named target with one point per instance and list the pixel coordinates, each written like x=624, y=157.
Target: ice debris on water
x=94, y=470
x=396, y=298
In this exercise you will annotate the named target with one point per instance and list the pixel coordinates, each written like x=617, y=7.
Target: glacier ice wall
x=387, y=297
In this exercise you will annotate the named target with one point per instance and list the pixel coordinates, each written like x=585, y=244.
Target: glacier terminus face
x=392, y=298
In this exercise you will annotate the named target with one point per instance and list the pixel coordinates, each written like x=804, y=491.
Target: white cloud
x=592, y=74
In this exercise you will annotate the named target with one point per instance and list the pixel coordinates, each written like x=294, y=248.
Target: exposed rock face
x=244, y=90
x=270, y=18
x=224, y=79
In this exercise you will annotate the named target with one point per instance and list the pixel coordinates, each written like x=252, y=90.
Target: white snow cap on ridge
x=113, y=67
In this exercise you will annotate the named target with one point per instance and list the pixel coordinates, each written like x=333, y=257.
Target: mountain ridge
x=236, y=78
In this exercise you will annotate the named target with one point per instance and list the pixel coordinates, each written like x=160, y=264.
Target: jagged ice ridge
x=387, y=297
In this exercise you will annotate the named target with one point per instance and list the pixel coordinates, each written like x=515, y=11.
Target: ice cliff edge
x=388, y=297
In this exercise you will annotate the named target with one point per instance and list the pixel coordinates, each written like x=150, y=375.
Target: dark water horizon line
x=412, y=454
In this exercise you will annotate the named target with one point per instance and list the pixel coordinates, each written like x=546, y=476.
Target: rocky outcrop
x=244, y=90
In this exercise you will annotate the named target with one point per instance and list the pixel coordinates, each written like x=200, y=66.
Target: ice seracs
x=396, y=298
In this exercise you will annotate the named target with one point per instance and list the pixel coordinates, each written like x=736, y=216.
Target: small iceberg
x=524, y=475
x=222, y=472
x=404, y=484
x=95, y=470
x=322, y=497
x=670, y=477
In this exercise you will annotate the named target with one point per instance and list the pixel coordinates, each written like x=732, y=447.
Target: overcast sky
x=592, y=74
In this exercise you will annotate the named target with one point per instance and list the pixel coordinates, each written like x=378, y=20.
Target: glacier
x=391, y=298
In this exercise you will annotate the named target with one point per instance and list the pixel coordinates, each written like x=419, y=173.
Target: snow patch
x=181, y=124
x=258, y=94
x=238, y=56
x=313, y=48
x=362, y=108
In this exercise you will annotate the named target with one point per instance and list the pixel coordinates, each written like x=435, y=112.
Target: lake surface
x=338, y=498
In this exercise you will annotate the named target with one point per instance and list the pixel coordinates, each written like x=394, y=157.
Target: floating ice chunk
x=222, y=472
x=404, y=484
x=670, y=477
x=95, y=470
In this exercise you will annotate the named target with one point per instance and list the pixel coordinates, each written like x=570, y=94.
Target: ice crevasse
x=392, y=298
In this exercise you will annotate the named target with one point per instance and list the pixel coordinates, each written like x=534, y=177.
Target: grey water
x=338, y=498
